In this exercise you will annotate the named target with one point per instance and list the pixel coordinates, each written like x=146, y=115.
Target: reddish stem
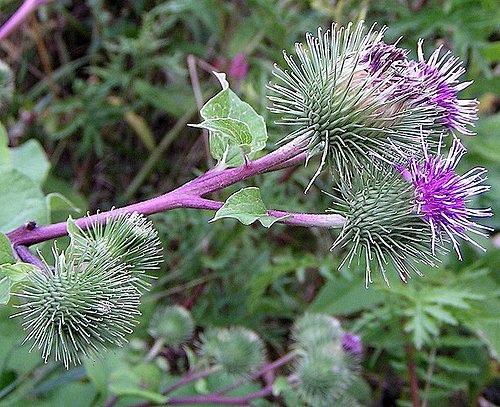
x=222, y=400
x=412, y=373
x=189, y=378
x=261, y=372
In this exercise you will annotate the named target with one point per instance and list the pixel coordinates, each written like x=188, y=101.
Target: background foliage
x=98, y=118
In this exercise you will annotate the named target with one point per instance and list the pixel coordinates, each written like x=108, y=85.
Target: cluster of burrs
x=324, y=360
x=378, y=121
x=89, y=300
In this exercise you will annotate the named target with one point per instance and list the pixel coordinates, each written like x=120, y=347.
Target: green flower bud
x=323, y=378
x=314, y=330
x=78, y=308
x=237, y=350
x=173, y=324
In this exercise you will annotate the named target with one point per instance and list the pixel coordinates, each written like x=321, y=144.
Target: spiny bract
x=323, y=378
x=129, y=237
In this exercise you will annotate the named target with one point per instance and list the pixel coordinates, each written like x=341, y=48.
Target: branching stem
x=261, y=372
x=190, y=195
x=192, y=377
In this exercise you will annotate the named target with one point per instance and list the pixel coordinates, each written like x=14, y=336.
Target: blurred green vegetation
x=103, y=87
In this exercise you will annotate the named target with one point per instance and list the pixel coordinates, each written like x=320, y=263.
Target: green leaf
x=12, y=356
x=149, y=373
x=5, y=250
x=450, y=297
x=30, y=159
x=492, y=51
x=127, y=383
x=455, y=365
x=456, y=341
x=201, y=386
x=443, y=380
x=282, y=388
x=72, y=227
x=489, y=331
x=5, y=286
x=420, y=324
x=173, y=99
x=245, y=127
x=22, y=200
x=10, y=277
x=235, y=130
x=58, y=202
x=441, y=314
x=246, y=205
x=279, y=385
x=17, y=271
x=341, y=296
x=4, y=146
x=489, y=147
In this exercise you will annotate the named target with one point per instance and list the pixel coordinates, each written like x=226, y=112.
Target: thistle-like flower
x=129, y=237
x=381, y=56
x=79, y=307
x=442, y=196
x=436, y=82
x=343, y=96
x=382, y=226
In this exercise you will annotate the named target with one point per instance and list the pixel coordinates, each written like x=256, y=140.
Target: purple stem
x=265, y=369
x=298, y=159
x=218, y=398
x=291, y=218
x=19, y=16
x=25, y=255
x=192, y=377
x=215, y=180
x=190, y=196
x=222, y=400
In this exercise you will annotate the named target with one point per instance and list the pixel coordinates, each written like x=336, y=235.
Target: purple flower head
x=436, y=82
x=352, y=343
x=442, y=195
x=381, y=56
x=238, y=68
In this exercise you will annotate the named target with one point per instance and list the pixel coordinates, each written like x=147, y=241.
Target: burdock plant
x=377, y=123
